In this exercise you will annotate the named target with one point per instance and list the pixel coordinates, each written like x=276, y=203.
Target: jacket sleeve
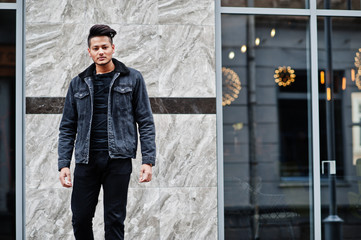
x=67, y=131
x=144, y=118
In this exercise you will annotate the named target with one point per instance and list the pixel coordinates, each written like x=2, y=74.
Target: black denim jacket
x=128, y=106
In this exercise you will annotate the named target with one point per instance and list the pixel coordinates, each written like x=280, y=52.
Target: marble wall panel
x=172, y=44
x=42, y=151
x=122, y=11
x=61, y=11
x=151, y=214
x=186, y=61
x=186, y=152
x=50, y=217
x=55, y=53
x=48, y=214
x=137, y=47
x=186, y=159
x=143, y=211
x=181, y=160
x=186, y=12
x=114, y=11
x=164, y=51
x=188, y=213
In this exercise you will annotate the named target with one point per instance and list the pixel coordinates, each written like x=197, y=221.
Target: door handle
x=332, y=166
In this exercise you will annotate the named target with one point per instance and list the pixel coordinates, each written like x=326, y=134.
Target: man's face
x=101, y=50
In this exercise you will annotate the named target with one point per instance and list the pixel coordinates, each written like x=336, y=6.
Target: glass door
x=339, y=61
x=267, y=148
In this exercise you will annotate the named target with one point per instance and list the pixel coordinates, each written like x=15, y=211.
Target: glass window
x=7, y=124
x=339, y=42
x=266, y=127
x=339, y=4
x=265, y=3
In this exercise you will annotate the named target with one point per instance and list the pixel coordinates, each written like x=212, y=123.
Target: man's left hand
x=145, y=173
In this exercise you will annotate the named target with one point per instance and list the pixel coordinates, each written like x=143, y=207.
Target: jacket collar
x=119, y=67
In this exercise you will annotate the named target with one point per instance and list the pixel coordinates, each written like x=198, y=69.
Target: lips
x=101, y=58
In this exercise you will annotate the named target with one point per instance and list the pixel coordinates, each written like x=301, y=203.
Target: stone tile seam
x=172, y=188
x=133, y=188
x=123, y=24
x=154, y=114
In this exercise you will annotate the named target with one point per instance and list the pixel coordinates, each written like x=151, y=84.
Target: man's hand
x=65, y=177
x=145, y=173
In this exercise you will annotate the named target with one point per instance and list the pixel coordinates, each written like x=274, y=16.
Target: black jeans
x=114, y=176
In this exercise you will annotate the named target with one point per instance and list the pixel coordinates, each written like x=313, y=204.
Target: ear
x=113, y=47
x=89, y=52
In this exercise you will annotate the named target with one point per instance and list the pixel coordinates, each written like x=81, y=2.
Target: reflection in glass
x=265, y=3
x=323, y=4
x=339, y=42
x=267, y=165
x=339, y=4
x=7, y=124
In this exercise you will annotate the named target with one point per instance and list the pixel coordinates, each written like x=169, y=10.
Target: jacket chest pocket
x=123, y=97
x=82, y=99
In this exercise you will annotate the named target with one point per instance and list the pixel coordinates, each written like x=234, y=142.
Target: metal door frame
x=19, y=117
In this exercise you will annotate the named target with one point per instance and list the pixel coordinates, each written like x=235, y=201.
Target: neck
x=101, y=69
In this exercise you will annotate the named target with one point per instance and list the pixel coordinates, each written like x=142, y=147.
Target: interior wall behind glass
x=339, y=4
x=323, y=4
x=7, y=124
x=265, y=3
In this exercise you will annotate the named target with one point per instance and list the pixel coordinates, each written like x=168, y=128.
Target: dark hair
x=101, y=30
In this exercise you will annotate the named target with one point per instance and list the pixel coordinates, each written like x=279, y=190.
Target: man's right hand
x=65, y=177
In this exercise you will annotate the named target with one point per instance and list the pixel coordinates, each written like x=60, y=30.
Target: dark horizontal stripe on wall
x=54, y=105
x=44, y=105
x=183, y=105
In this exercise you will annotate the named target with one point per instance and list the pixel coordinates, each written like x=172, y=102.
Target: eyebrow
x=105, y=44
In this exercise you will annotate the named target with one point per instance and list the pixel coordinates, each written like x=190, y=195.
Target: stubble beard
x=103, y=64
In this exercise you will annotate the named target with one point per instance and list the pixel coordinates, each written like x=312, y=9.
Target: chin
x=102, y=63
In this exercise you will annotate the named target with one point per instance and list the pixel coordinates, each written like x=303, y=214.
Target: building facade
x=256, y=105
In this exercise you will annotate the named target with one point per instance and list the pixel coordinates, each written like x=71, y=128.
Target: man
x=103, y=107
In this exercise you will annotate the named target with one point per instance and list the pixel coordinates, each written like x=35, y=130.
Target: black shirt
x=99, y=133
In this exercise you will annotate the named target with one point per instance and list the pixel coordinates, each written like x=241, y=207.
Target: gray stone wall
x=172, y=44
